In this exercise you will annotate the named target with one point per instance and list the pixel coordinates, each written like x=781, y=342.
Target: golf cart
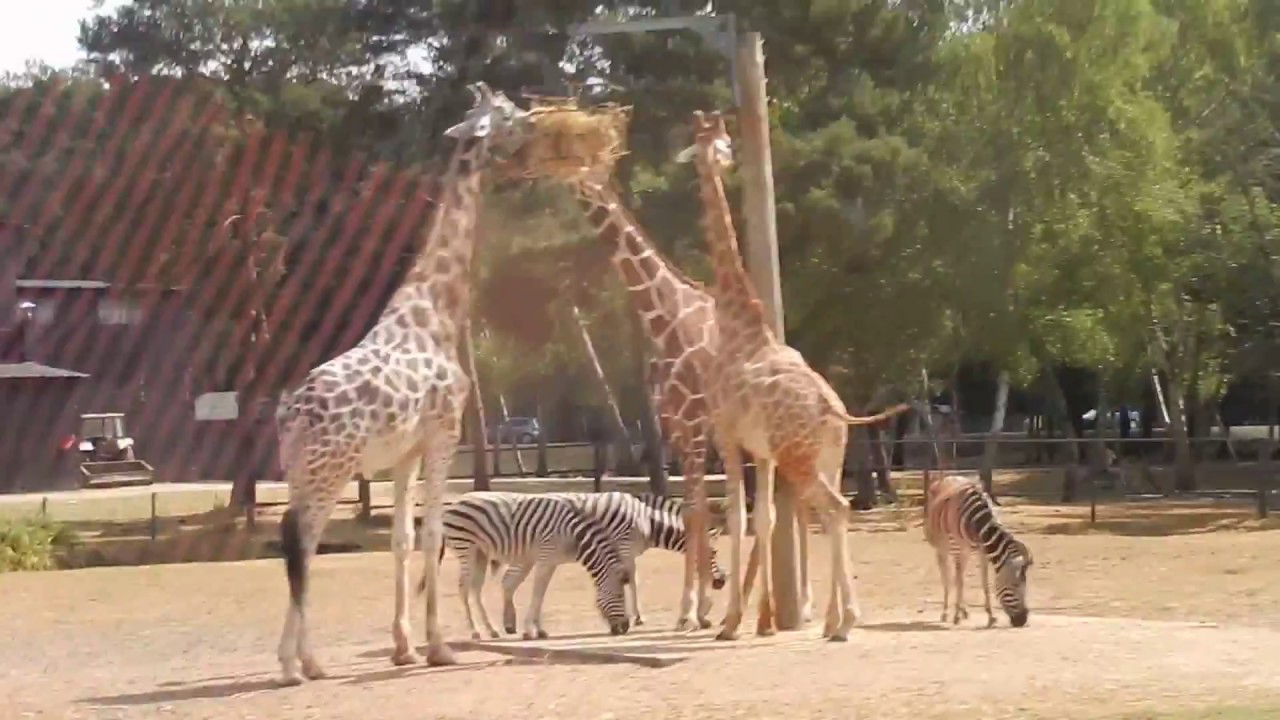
x=107, y=454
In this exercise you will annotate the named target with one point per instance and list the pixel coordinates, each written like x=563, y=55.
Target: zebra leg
x=477, y=588
x=986, y=590
x=511, y=580
x=944, y=569
x=543, y=571
x=962, y=610
x=632, y=588
x=404, y=475
x=732, y=457
x=466, y=562
x=764, y=521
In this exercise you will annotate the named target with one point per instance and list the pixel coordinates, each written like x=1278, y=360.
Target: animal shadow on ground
x=230, y=686
x=903, y=626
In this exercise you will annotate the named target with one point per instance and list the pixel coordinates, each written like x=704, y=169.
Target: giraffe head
x=711, y=143
x=495, y=117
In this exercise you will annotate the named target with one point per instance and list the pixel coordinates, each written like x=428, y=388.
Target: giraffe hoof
x=440, y=655
x=727, y=635
x=766, y=632
x=511, y=629
x=542, y=634
x=476, y=636
x=313, y=671
x=684, y=624
x=493, y=635
x=838, y=636
x=704, y=623
x=638, y=621
x=292, y=680
x=406, y=657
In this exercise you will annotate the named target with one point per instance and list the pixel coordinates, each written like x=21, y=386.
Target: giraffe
x=765, y=398
x=678, y=317
x=394, y=401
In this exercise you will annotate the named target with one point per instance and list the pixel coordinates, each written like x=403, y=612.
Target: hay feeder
x=569, y=143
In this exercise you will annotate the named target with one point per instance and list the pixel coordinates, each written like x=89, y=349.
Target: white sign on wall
x=217, y=406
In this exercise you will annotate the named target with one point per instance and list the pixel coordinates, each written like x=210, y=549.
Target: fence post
x=1093, y=500
x=597, y=463
x=44, y=506
x=365, y=496
x=1263, y=478
x=153, y=528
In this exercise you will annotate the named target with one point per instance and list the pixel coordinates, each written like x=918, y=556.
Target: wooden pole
x=761, y=257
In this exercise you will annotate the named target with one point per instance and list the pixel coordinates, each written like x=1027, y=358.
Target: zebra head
x=717, y=573
x=603, y=562
x=1011, y=583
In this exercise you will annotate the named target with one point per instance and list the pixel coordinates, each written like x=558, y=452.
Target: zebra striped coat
x=635, y=523
x=960, y=517
x=532, y=532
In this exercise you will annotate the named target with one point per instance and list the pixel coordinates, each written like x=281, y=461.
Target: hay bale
x=570, y=143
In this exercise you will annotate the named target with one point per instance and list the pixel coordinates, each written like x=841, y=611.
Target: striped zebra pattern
x=531, y=532
x=961, y=517
x=635, y=523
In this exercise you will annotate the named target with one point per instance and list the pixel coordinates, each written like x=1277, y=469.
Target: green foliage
x=32, y=543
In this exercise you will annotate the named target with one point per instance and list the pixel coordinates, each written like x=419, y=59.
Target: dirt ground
x=1159, y=609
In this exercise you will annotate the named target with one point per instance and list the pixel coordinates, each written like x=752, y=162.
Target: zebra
x=959, y=517
x=635, y=523
x=535, y=532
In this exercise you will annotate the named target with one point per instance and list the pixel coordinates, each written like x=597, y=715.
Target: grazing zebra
x=635, y=523
x=535, y=532
x=961, y=517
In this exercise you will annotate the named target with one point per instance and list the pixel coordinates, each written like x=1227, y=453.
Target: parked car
x=521, y=430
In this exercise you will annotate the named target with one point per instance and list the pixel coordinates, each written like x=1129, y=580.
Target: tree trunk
x=515, y=442
x=991, y=444
x=880, y=456
x=1184, y=468
x=900, y=425
x=626, y=459
x=474, y=417
x=650, y=429
x=543, y=466
x=1058, y=401
x=864, y=481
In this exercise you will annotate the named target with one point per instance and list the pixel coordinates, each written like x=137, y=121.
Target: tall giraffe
x=678, y=317
x=393, y=401
x=765, y=398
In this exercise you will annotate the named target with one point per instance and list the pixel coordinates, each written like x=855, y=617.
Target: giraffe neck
x=441, y=273
x=739, y=311
x=653, y=285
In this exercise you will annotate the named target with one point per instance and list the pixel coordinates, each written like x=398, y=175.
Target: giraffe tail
x=494, y=567
x=295, y=559
x=878, y=417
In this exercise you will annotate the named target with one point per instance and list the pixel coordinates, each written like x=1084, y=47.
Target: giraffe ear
x=686, y=154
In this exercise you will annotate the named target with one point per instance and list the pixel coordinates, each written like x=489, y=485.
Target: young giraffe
x=767, y=400
x=394, y=401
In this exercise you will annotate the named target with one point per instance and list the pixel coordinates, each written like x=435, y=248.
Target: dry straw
x=572, y=143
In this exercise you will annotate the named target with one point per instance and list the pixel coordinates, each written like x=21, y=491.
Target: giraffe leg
x=439, y=455
x=986, y=589
x=732, y=456
x=404, y=476
x=803, y=512
x=764, y=522
x=828, y=501
x=697, y=513
x=543, y=571
x=511, y=580
x=300, y=530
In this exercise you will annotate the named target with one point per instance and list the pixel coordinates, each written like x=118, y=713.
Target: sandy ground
x=1155, y=614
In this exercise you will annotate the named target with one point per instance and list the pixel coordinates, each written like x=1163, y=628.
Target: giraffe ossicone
x=394, y=401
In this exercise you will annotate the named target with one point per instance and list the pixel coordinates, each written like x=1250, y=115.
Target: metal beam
x=719, y=31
